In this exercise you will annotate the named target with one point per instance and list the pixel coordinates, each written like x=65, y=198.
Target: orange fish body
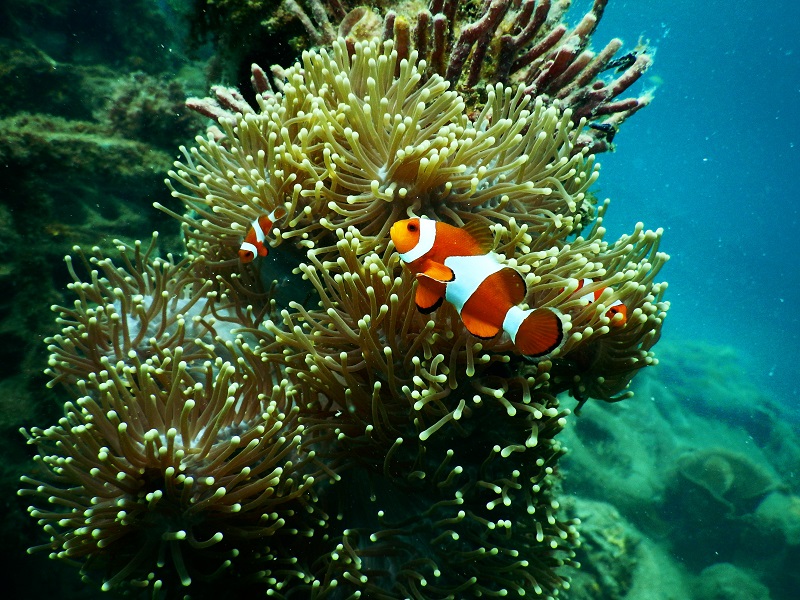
x=457, y=265
x=616, y=308
x=255, y=242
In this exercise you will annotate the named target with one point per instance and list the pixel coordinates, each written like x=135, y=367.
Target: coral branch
x=260, y=81
x=482, y=30
x=524, y=42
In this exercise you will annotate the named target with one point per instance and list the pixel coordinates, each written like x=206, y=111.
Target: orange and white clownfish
x=255, y=242
x=457, y=265
x=616, y=308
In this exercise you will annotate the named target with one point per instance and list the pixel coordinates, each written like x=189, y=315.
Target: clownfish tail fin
x=535, y=333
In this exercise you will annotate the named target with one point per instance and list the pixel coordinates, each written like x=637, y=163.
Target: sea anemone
x=155, y=477
x=140, y=307
x=349, y=144
x=355, y=446
x=182, y=447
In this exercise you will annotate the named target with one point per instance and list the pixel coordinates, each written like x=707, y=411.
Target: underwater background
x=690, y=489
x=709, y=164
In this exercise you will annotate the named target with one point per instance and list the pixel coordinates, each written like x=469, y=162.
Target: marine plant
x=330, y=440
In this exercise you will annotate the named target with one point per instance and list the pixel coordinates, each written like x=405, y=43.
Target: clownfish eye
x=412, y=227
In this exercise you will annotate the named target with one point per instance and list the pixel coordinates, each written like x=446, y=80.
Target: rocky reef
x=697, y=482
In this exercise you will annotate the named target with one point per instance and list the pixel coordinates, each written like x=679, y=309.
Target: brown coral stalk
x=482, y=29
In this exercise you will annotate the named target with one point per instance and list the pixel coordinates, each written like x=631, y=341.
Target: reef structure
x=471, y=45
x=324, y=438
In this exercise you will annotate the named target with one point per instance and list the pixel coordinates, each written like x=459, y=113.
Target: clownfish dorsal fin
x=437, y=272
x=481, y=234
x=513, y=284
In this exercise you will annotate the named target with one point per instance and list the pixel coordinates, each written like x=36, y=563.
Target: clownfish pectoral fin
x=535, y=333
x=263, y=250
x=437, y=272
x=479, y=327
x=430, y=294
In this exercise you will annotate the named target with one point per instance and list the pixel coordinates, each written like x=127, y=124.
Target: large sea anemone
x=343, y=444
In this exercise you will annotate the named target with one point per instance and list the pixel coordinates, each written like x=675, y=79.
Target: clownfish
x=255, y=242
x=458, y=265
x=616, y=308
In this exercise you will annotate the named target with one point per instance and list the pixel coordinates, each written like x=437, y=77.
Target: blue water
x=714, y=160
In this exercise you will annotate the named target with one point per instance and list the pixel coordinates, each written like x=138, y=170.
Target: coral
x=68, y=178
x=614, y=453
x=779, y=514
x=243, y=31
x=341, y=443
x=67, y=173
x=143, y=107
x=129, y=37
x=609, y=552
x=510, y=42
x=35, y=141
x=729, y=496
x=64, y=180
x=731, y=479
x=724, y=581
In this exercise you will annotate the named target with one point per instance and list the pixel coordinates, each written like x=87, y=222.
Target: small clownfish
x=458, y=265
x=255, y=242
x=616, y=308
